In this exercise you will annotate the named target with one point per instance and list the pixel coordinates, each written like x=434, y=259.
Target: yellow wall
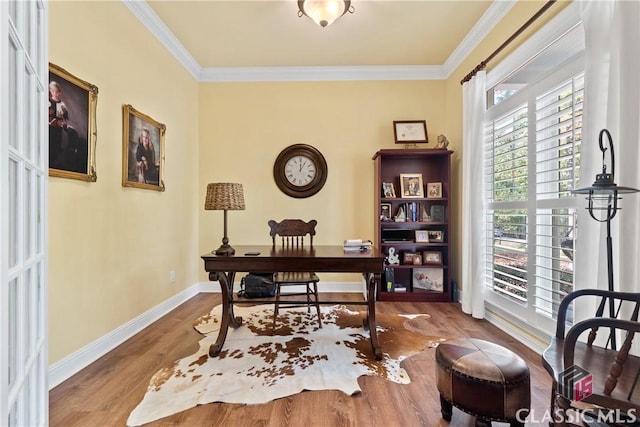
x=111, y=248
x=243, y=127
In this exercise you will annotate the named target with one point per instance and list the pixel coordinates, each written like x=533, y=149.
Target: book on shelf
x=357, y=245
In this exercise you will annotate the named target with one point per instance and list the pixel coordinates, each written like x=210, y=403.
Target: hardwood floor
x=104, y=393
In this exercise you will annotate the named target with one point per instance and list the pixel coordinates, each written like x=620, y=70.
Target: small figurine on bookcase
x=393, y=258
x=443, y=142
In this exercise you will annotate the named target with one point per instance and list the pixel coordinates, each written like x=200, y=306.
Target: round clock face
x=300, y=170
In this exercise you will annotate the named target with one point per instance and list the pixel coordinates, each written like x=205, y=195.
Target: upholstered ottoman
x=482, y=379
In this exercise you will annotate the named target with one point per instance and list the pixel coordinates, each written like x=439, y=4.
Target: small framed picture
x=428, y=279
x=385, y=212
x=436, y=236
x=388, y=191
x=432, y=258
x=411, y=257
x=434, y=190
x=410, y=132
x=411, y=185
x=142, y=150
x=422, y=236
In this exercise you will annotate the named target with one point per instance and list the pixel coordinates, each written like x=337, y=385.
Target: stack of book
x=357, y=245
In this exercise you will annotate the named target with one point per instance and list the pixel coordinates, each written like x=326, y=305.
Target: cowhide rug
x=259, y=364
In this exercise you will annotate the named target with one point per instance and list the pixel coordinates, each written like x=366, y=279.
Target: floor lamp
x=603, y=196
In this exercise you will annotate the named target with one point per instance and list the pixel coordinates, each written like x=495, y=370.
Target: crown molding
x=480, y=30
x=150, y=19
x=297, y=74
x=156, y=26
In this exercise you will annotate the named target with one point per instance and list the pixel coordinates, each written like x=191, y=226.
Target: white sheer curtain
x=612, y=101
x=473, y=218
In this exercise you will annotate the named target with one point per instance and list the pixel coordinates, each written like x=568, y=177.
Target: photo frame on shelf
x=432, y=258
x=422, y=236
x=72, y=126
x=434, y=190
x=411, y=186
x=428, y=279
x=385, y=212
x=410, y=132
x=409, y=257
x=388, y=191
x=142, y=150
x=436, y=236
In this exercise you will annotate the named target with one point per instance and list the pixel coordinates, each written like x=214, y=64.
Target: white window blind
x=532, y=162
x=558, y=137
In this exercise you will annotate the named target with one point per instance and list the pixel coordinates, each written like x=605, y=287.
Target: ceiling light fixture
x=324, y=12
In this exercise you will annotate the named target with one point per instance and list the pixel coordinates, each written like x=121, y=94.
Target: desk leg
x=372, y=279
x=228, y=318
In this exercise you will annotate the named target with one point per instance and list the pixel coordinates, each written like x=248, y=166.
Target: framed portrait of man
x=142, y=150
x=411, y=185
x=72, y=126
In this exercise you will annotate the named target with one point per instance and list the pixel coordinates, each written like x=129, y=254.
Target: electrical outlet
x=172, y=276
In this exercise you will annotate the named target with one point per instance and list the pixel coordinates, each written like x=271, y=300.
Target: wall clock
x=300, y=170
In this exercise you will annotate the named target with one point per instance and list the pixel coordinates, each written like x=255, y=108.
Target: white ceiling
x=266, y=40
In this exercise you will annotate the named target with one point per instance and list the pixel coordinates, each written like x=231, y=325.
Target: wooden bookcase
x=425, y=214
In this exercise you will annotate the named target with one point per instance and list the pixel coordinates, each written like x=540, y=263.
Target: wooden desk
x=332, y=259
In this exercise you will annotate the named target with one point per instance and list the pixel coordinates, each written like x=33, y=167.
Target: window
x=532, y=162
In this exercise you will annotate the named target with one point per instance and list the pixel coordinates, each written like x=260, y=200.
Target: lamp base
x=224, y=250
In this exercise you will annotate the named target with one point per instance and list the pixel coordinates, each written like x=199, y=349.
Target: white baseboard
x=72, y=364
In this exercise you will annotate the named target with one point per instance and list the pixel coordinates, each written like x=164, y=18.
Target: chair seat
x=597, y=361
x=295, y=277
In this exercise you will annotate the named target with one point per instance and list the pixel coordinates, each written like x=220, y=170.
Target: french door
x=23, y=209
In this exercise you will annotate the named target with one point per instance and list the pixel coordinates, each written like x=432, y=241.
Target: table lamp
x=224, y=196
x=602, y=197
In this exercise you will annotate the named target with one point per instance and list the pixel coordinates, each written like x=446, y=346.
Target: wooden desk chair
x=292, y=233
x=614, y=371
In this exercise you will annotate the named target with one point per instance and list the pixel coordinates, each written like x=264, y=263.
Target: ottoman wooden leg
x=446, y=408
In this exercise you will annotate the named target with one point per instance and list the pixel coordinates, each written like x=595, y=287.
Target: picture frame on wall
x=429, y=279
x=411, y=186
x=72, y=126
x=143, y=152
x=410, y=132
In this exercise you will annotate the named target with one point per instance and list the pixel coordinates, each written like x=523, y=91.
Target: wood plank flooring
x=104, y=393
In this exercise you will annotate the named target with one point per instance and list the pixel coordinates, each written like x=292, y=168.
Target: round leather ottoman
x=482, y=379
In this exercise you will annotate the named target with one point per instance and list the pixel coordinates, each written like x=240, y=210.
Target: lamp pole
x=605, y=190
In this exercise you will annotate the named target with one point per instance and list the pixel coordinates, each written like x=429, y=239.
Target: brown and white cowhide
x=259, y=364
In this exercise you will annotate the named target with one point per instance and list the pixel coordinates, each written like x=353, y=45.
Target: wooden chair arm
x=567, y=300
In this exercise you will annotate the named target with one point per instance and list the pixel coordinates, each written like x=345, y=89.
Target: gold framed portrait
x=72, y=126
x=143, y=154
